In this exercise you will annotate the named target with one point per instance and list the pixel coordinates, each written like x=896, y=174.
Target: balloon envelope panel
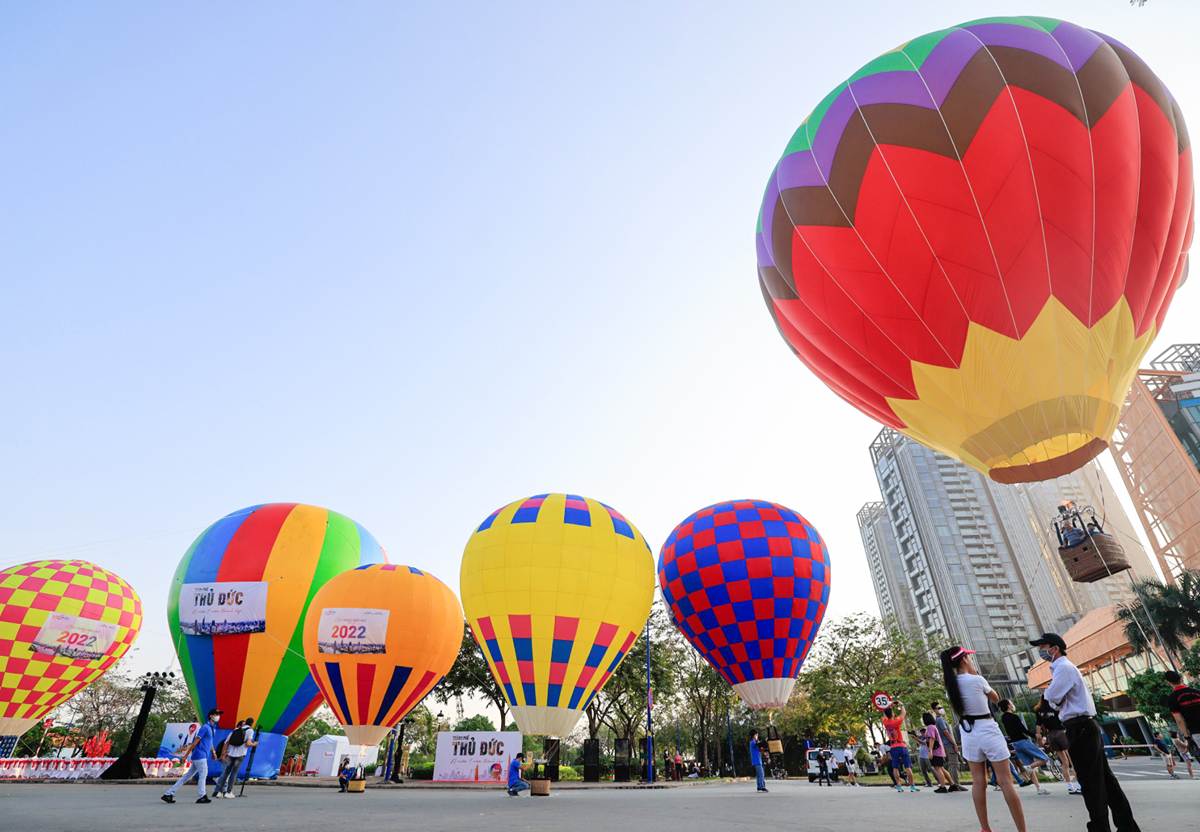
x=33, y=684
x=555, y=588
x=371, y=692
x=975, y=239
x=295, y=548
x=747, y=582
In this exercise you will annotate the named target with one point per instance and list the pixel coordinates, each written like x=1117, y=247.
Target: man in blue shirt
x=200, y=749
x=515, y=784
x=756, y=761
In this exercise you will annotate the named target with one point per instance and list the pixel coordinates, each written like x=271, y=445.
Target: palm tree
x=1174, y=608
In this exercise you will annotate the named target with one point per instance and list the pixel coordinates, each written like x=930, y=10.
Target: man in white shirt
x=241, y=739
x=1069, y=695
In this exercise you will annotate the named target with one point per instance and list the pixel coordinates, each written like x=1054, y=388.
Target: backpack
x=238, y=737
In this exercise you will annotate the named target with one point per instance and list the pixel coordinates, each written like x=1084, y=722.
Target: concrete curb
x=373, y=784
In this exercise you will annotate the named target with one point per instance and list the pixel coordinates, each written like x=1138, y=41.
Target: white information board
x=223, y=608
x=73, y=637
x=352, y=630
x=475, y=756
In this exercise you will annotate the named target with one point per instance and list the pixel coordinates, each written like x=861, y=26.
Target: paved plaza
x=1159, y=803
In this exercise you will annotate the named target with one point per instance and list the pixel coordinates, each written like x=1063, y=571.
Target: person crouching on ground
x=515, y=784
x=345, y=770
x=982, y=741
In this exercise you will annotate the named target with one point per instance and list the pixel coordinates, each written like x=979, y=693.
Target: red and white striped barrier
x=79, y=768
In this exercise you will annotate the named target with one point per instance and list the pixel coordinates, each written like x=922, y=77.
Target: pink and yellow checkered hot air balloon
x=63, y=623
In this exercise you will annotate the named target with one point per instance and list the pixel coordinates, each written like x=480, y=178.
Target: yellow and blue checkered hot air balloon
x=555, y=588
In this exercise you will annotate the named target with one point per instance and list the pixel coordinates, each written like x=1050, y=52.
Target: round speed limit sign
x=881, y=701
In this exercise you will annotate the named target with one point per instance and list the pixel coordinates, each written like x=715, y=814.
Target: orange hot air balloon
x=377, y=639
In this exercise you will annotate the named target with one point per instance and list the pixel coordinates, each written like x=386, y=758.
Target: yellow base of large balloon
x=551, y=722
x=1029, y=409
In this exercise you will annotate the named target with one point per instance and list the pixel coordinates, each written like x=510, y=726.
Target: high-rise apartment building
x=1157, y=448
x=887, y=566
x=978, y=561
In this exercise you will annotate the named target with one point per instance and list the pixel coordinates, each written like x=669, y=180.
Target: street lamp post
x=129, y=765
x=649, y=708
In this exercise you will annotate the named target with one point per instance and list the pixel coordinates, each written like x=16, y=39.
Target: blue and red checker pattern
x=747, y=583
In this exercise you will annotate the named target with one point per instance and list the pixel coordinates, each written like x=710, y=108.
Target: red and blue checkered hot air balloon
x=747, y=582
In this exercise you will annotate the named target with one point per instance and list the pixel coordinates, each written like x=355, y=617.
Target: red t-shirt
x=895, y=734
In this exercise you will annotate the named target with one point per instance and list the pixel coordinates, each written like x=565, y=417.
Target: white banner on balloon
x=73, y=637
x=352, y=630
x=223, y=608
x=475, y=756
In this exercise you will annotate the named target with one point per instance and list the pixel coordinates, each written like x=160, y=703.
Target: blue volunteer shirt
x=514, y=773
x=755, y=756
x=204, y=743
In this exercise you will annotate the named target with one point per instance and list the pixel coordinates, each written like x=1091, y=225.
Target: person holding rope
x=1069, y=695
x=982, y=742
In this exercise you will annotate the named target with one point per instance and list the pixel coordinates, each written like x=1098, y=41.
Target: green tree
x=858, y=655
x=472, y=675
x=1149, y=691
x=313, y=728
x=1173, y=608
x=704, y=694
x=1189, y=661
x=479, y=722
x=623, y=698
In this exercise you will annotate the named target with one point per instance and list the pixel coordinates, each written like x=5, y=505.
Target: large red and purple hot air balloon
x=976, y=237
x=747, y=583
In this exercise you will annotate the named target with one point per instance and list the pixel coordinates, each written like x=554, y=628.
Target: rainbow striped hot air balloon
x=236, y=612
x=63, y=623
x=378, y=639
x=555, y=588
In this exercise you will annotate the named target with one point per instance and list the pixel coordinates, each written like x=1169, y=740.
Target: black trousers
x=1101, y=791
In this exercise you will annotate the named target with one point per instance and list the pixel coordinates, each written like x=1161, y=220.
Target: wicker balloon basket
x=539, y=788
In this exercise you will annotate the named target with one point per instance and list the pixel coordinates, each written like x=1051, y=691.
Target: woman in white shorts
x=982, y=743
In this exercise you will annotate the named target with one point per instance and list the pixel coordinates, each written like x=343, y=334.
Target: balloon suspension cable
x=1133, y=583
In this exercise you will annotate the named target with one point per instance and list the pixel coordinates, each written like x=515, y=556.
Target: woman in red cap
x=982, y=742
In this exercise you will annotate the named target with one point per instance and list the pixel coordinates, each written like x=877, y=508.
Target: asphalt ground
x=1158, y=802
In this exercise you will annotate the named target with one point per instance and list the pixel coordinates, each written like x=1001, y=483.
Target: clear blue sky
x=412, y=262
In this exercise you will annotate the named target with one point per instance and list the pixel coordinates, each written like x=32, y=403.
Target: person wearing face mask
x=200, y=749
x=952, y=763
x=1068, y=695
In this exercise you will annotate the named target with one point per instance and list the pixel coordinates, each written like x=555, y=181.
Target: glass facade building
x=976, y=562
x=1157, y=448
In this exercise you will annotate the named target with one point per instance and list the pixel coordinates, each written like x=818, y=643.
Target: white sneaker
x=1040, y=790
